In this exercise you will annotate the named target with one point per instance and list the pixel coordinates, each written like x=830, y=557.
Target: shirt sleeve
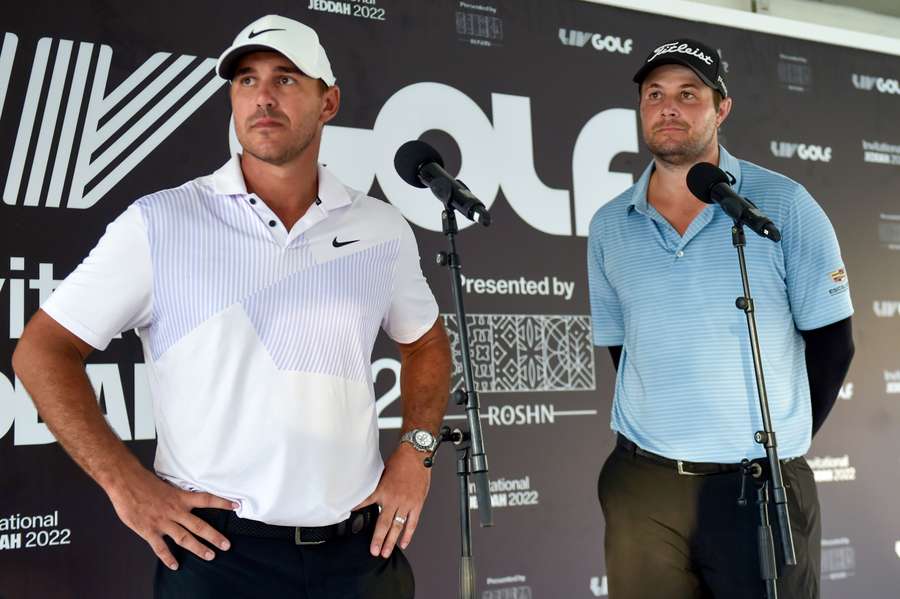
x=817, y=281
x=111, y=290
x=413, y=309
x=606, y=310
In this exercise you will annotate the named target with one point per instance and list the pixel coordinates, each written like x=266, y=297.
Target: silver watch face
x=423, y=438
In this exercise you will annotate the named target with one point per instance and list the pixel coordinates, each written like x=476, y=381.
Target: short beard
x=684, y=153
x=282, y=156
x=285, y=156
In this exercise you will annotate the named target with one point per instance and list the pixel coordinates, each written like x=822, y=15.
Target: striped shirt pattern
x=685, y=387
x=335, y=310
x=258, y=339
x=311, y=317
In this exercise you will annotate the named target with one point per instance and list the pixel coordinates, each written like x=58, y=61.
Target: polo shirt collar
x=727, y=163
x=331, y=191
x=229, y=180
x=730, y=165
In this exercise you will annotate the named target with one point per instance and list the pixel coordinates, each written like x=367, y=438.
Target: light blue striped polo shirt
x=685, y=387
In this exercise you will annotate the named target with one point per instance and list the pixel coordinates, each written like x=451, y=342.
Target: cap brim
x=228, y=61
x=649, y=66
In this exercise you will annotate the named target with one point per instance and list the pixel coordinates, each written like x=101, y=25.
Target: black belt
x=681, y=466
x=227, y=522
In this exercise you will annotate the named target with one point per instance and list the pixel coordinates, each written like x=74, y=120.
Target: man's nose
x=264, y=96
x=669, y=107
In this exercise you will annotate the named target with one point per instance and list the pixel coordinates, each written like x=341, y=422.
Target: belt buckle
x=679, y=466
x=299, y=541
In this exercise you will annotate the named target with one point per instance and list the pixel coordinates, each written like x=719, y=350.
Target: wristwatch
x=420, y=439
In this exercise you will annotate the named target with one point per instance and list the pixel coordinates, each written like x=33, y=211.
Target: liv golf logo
x=879, y=84
x=603, y=43
x=785, y=149
x=77, y=139
x=120, y=126
x=886, y=308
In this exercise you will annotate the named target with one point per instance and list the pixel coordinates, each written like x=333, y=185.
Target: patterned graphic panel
x=532, y=104
x=515, y=353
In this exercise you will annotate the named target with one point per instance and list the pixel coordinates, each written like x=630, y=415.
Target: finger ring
x=399, y=520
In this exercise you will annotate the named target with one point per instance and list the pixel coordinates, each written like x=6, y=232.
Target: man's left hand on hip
x=401, y=494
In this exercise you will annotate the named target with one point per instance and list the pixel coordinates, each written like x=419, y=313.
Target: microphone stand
x=753, y=471
x=471, y=459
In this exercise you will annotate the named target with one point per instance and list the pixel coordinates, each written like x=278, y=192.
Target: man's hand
x=49, y=360
x=153, y=508
x=401, y=494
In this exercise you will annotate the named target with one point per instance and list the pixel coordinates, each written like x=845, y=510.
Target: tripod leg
x=466, y=564
x=767, y=568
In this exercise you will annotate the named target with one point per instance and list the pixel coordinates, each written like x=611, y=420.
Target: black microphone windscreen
x=411, y=156
x=702, y=177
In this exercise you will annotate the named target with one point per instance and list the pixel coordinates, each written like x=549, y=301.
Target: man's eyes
x=247, y=81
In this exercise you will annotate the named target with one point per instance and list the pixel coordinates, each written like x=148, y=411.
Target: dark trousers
x=671, y=536
x=255, y=567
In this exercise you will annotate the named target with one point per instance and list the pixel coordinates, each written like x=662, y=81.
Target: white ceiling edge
x=741, y=19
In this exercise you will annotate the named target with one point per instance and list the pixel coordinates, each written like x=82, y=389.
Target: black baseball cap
x=696, y=56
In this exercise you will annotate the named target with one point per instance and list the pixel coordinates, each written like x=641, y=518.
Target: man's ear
x=331, y=103
x=724, y=111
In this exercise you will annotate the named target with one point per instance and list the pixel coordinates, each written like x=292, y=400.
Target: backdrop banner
x=532, y=104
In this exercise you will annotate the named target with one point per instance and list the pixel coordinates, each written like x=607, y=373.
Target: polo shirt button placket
x=679, y=254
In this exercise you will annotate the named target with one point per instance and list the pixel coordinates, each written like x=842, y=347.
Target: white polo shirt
x=258, y=340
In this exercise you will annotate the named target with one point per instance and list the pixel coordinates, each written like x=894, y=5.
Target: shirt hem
x=825, y=321
x=75, y=327
x=416, y=333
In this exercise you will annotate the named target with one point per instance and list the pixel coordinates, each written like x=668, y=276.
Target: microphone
x=420, y=165
x=711, y=185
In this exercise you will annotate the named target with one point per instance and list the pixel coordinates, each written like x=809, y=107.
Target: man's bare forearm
x=425, y=380
x=52, y=370
x=49, y=360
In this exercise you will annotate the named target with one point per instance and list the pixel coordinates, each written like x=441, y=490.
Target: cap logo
x=675, y=48
x=253, y=34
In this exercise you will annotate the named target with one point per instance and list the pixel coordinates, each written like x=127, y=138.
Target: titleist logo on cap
x=681, y=49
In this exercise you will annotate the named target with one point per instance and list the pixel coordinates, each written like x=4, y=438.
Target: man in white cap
x=257, y=292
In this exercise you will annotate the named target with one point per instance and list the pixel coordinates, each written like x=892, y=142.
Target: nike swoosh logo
x=338, y=244
x=253, y=34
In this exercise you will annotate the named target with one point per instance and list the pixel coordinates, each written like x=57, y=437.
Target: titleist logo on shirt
x=681, y=49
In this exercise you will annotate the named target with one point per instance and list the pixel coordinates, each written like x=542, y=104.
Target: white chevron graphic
x=118, y=158
x=7, y=54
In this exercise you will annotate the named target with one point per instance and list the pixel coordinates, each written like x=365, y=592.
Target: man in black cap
x=663, y=280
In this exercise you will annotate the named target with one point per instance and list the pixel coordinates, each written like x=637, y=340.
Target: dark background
x=785, y=90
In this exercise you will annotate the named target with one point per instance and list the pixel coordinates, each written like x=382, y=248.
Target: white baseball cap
x=296, y=41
